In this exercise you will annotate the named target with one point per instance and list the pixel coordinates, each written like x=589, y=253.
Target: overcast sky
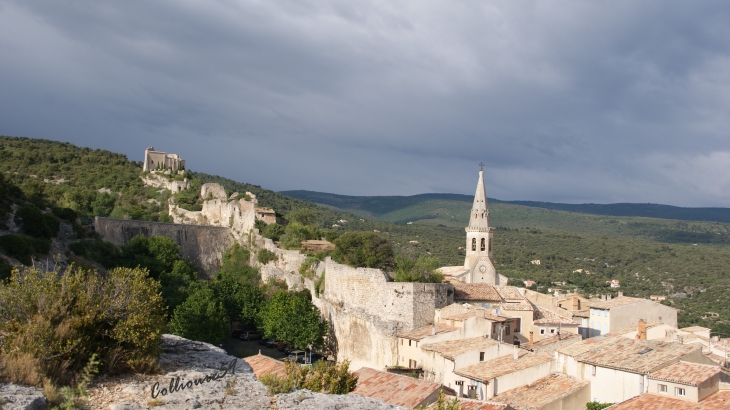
x=564, y=101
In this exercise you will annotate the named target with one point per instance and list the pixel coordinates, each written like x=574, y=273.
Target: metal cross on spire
x=481, y=166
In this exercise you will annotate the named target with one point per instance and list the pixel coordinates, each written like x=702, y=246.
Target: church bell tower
x=479, y=235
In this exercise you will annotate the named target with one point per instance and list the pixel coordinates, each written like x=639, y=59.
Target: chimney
x=576, y=303
x=620, y=293
x=608, y=297
x=530, y=338
x=641, y=331
x=433, y=329
x=516, y=353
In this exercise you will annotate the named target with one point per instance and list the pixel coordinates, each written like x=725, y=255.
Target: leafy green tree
x=303, y=216
x=241, y=299
x=37, y=224
x=103, y=205
x=422, y=269
x=201, y=317
x=291, y=317
x=157, y=254
x=175, y=284
x=363, y=249
x=273, y=231
x=295, y=233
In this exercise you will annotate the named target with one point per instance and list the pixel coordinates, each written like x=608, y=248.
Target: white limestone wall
x=518, y=379
x=614, y=386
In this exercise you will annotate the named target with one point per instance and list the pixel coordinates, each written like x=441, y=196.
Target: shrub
x=104, y=253
x=363, y=249
x=103, y=205
x=54, y=325
x=36, y=224
x=594, y=405
x=275, y=384
x=319, y=285
x=273, y=231
x=308, y=267
x=421, y=270
x=265, y=256
x=23, y=247
x=321, y=377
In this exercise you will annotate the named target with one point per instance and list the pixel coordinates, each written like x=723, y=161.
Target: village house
x=487, y=379
x=440, y=360
x=617, y=367
x=623, y=312
x=683, y=386
x=409, y=351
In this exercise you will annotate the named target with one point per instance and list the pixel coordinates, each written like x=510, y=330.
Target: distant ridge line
x=383, y=204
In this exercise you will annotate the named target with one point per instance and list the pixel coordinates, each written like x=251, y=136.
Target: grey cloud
x=565, y=101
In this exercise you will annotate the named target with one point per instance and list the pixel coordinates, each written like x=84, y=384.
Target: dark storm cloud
x=564, y=101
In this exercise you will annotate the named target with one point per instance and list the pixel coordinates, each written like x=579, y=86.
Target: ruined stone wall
x=159, y=181
x=202, y=245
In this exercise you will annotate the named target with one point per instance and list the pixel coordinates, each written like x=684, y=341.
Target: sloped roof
x=652, y=401
x=485, y=371
x=542, y=316
x=509, y=293
x=686, y=373
x=420, y=333
x=263, y=365
x=615, y=302
x=475, y=291
x=471, y=404
x=516, y=306
x=454, y=348
x=556, y=339
x=541, y=392
x=577, y=349
x=393, y=388
x=637, y=356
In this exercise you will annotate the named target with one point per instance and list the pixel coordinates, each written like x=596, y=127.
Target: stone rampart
x=202, y=245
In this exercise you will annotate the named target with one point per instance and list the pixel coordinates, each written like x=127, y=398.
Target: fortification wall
x=202, y=245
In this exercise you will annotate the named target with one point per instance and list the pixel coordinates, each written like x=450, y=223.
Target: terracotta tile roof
x=555, y=339
x=485, y=371
x=516, y=306
x=653, y=401
x=393, y=388
x=615, y=302
x=577, y=349
x=686, y=373
x=420, y=333
x=638, y=356
x=581, y=313
x=475, y=291
x=470, y=404
x=542, y=316
x=541, y=392
x=263, y=365
x=454, y=348
x=509, y=293
x=459, y=311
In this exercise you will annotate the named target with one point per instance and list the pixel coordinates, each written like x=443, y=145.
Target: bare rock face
x=306, y=400
x=196, y=376
x=214, y=190
x=16, y=397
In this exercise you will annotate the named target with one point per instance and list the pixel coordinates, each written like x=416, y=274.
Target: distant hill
x=382, y=205
x=452, y=210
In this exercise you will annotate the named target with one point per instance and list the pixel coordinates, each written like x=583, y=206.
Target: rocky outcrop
x=194, y=375
x=162, y=181
x=15, y=397
x=305, y=399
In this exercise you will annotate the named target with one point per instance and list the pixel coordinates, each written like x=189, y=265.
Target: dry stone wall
x=202, y=245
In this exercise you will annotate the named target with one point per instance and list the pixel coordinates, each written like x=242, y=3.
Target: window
x=542, y=331
x=481, y=356
x=605, y=313
x=507, y=330
x=591, y=311
x=401, y=342
x=473, y=244
x=490, y=249
x=484, y=245
x=662, y=388
x=552, y=330
x=409, y=342
x=517, y=325
x=679, y=391
x=593, y=370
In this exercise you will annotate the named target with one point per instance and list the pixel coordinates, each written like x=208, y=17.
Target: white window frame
x=542, y=331
x=662, y=388
x=680, y=392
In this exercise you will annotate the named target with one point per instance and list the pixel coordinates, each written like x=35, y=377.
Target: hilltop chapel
x=478, y=263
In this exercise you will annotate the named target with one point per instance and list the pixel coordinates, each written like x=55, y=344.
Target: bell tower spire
x=479, y=239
